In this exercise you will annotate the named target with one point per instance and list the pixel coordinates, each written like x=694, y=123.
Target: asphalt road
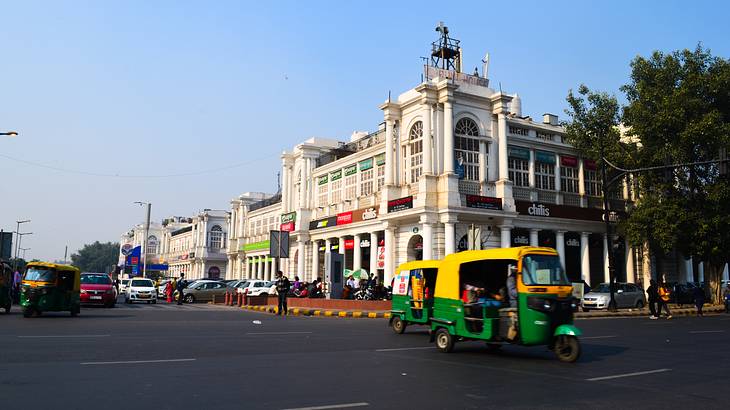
x=207, y=357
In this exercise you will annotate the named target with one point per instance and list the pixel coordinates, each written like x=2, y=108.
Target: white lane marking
x=278, y=333
x=60, y=336
x=332, y=406
x=403, y=348
x=140, y=361
x=617, y=376
x=597, y=337
x=707, y=331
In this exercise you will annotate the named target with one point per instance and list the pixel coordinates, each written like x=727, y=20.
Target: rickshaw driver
x=512, y=285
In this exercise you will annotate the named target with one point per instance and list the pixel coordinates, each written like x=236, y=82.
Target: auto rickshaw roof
x=56, y=266
x=418, y=265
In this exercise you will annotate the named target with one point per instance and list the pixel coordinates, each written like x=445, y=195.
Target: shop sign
x=560, y=211
x=366, y=164
x=336, y=175
x=287, y=227
x=545, y=157
x=520, y=240
x=349, y=244
x=519, y=153
x=400, y=204
x=369, y=213
x=344, y=218
x=323, y=223
x=365, y=243
x=573, y=243
x=400, y=284
x=255, y=246
x=322, y=180
x=483, y=202
x=380, y=159
x=290, y=217
x=568, y=161
x=127, y=249
x=381, y=257
x=351, y=170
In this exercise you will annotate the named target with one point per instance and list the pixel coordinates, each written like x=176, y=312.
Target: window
x=545, y=176
x=592, y=183
x=336, y=191
x=519, y=171
x=381, y=175
x=466, y=126
x=415, y=153
x=519, y=131
x=569, y=179
x=152, y=244
x=216, y=237
x=366, y=182
x=322, y=197
x=350, y=182
x=466, y=148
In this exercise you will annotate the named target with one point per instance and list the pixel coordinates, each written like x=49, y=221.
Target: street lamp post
x=24, y=249
x=9, y=133
x=146, y=235
x=18, y=235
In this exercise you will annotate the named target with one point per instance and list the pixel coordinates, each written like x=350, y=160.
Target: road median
x=297, y=311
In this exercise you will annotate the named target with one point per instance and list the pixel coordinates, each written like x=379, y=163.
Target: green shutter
x=380, y=159
x=516, y=152
x=336, y=175
x=352, y=169
x=366, y=164
x=322, y=180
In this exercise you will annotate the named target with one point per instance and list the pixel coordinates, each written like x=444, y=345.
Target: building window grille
x=592, y=183
x=466, y=147
x=519, y=172
x=336, y=191
x=216, y=237
x=415, y=153
x=322, y=197
x=466, y=126
x=350, y=186
x=381, y=176
x=545, y=176
x=366, y=182
x=569, y=179
x=519, y=131
x=152, y=244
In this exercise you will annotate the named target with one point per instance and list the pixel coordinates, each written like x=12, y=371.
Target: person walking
x=180, y=286
x=169, y=291
x=699, y=296
x=16, y=287
x=663, y=301
x=652, y=293
x=282, y=289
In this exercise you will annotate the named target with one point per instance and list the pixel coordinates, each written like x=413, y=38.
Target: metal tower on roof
x=445, y=52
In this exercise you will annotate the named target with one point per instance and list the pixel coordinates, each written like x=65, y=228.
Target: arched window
x=466, y=148
x=216, y=237
x=152, y=244
x=415, y=153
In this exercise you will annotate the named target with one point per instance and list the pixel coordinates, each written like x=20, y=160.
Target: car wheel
x=398, y=325
x=640, y=304
x=567, y=348
x=189, y=298
x=444, y=340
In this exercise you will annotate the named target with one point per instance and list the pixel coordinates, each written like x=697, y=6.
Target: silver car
x=628, y=295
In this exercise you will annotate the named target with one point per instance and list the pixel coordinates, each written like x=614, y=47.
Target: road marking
x=278, y=333
x=60, y=336
x=706, y=331
x=332, y=406
x=140, y=361
x=597, y=337
x=403, y=348
x=617, y=376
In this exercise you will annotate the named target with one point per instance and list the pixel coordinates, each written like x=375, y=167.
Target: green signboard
x=545, y=157
x=380, y=159
x=290, y=217
x=336, y=175
x=351, y=170
x=322, y=180
x=256, y=246
x=366, y=164
x=516, y=152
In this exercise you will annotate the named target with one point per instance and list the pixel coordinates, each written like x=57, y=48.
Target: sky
x=187, y=104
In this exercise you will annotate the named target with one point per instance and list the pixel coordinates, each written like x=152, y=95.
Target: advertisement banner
x=344, y=218
x=545, y=157
x=351, y=170
x=400, y=204
x=381, y=257
x=366, y=164
x=568, y=161
x=562, y=211
x=287, y=227
x=335, y=175
x=483, y=202
x=290, y=217
x=349, y=244
x=400, y=284
x=322, y=180
x=520, y=153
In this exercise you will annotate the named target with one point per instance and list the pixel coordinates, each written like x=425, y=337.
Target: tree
x=96, y=257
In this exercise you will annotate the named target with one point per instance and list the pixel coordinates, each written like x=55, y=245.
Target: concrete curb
x=645, y=312
x=322, y=312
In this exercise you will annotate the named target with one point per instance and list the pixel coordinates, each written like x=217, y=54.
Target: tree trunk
x=713, y=281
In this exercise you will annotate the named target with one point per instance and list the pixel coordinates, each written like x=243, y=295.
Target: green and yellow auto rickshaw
x=505, y=296
x=6, y=287
x=50, y=287
x=413, y=289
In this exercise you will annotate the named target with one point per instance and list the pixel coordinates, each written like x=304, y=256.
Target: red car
x=98, y=289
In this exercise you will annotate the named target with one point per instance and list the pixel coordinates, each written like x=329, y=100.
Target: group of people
x=352, y=285
x=501, y=297
x=658, y=296
x=301, y=289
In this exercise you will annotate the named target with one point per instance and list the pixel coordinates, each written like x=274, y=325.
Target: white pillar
x=389, y=158
x=483, y=166
x=356, y=253
x=450, y=238
x=534, y=239
x=606, y=274
x=585, y=261
x=389, y=255
x=374, y=253
x=503, y=164
x=300, y=259
x=701, y=277
x=531, y=169
x=630, y=273
x=328, y=245
x=725, y=273
x=260, y=270
x=689, y=269
x=427, y=141
x=560, y=246
x=341, y=245
x=448, y=138
x=505, y=236
x=427, y=228
x=557, y=173
x=315, y=261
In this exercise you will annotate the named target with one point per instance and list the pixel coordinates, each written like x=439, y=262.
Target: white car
x=258, y=288
x=123, y=285
x=140, y=290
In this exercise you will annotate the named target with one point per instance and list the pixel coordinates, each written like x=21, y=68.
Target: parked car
x=123, y=286
x=140, y=290
x=204, y=290
x=255, y=287
x=628, y=295
x=98, y=289
x=682, y=294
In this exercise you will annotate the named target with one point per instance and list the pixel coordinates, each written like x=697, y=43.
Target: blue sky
x=172, y=87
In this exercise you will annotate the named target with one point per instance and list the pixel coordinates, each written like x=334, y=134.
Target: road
x=212, y=357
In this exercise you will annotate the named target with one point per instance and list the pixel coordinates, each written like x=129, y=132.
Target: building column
x=503, y=152
x=505, y=239
x=560, y=246
x=389, y=255
x=267, y=268
x=531, y=169
x=449, y=237
x=374, y=253
x=427, y=141
x=389, y=157
x=581, y=183
x=606, y=273
x=483, y=166
x=301, y=259
x=448, y=138
x=427, y=229
x=700, y=278
x=585, y=261
x=341, y=246
x=315, y=261
x=356, y=253
x=630, y=274
x=534, y=238
x=557, y=173
x=260, y=269
x=689, y=270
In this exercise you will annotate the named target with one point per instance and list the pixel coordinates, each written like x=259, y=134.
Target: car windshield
x=602, y=288
x=96, y=280
x=543, y=270
x=125, y=281
x=141, y=283
x=242, y=284
x=40, y=274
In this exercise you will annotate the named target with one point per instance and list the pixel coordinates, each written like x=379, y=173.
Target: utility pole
x=18, y=235
x=65, y=254
x=609, y=236
x=146, y=235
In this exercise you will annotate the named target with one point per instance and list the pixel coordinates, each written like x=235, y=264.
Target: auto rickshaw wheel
x=398, y=325
x=444, y=340
x=27, y=312
x=567, y=348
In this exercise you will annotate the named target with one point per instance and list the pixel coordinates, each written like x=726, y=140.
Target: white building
x=135, y=236
x=196, y=246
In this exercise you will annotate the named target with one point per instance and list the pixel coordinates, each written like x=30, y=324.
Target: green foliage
x=96, y=257
x=593, y=128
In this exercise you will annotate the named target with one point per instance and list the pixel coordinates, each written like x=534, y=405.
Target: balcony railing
x=521, y=193
x=469, y=187
x=546, y=196
x=571, y=199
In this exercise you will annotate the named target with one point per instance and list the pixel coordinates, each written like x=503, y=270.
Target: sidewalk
x=676, y=311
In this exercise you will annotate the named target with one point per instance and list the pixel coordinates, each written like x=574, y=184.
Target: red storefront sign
x=349, y=244
x=344, y=218
x=287, y=227
x=568, y=161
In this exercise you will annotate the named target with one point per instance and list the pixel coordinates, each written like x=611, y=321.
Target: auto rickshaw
x=50, y=287
x=6, y=286
x=413, y=289
x=539, y=309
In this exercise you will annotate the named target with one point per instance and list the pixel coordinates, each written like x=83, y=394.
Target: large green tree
x=96, y=257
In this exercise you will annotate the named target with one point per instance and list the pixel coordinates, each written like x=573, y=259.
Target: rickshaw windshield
x=40, y=274
x=543, y=270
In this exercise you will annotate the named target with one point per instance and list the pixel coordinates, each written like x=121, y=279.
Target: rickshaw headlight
x=540, y=304
x=547, y=304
